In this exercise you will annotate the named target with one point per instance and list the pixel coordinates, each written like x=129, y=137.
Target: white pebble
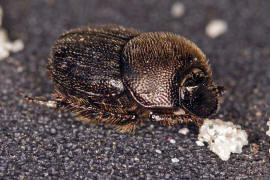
x=223, y=138
x=183, y=131
x=19, y=69
x=268, y=124
x=158, y=151
x=180, y=148
x=151, y=127
x=3, y=36
x=172, y=141
x=175, y=160
x=178, y=9
x=16, y=46
x=3, y=53
x=216, y=28
x=7, y=46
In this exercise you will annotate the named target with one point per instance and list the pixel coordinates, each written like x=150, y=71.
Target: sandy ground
x=40, y=143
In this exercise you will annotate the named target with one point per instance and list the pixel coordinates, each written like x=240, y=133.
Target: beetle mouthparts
x=201, y=101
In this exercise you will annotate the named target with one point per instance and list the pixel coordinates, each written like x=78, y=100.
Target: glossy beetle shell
x=121, y=76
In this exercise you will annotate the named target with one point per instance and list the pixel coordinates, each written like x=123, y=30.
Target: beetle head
x=199, y=95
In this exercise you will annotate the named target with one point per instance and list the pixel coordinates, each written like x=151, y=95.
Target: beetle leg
x=101, y=112
x=122, y=122
x=169, y=119
x=40, y=100
x=127, y=123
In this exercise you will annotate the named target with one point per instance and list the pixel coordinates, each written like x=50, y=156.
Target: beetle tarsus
x=168, y=119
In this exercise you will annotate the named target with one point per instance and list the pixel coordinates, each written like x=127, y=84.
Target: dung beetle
x=121, y=76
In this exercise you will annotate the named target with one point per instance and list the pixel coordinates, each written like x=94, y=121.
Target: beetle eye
x=195, y=77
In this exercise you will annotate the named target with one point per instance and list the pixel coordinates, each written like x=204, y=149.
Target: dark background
x=36, y=142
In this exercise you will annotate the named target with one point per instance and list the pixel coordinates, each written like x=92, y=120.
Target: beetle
x=122, y=76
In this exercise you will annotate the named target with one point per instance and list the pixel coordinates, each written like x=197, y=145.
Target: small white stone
x=199, y=143
x=172, y=141
x=4, y=53
x=151, y=127
x=158, y=151
x=16, y=46
x=223, y=138
x=183, y=131
x=178, y=9
x=20, y=69
x=175, y=160
x=216, y=28
x=3, y=37
x=7, y=46
x=268, y=132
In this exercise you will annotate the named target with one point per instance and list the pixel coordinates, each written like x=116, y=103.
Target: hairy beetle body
x=121, y=76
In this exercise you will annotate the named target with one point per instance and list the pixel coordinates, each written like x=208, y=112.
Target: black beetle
x=119, y=75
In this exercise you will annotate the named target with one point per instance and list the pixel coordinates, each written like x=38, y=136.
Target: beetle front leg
x=169, y=119
x=41, y=100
